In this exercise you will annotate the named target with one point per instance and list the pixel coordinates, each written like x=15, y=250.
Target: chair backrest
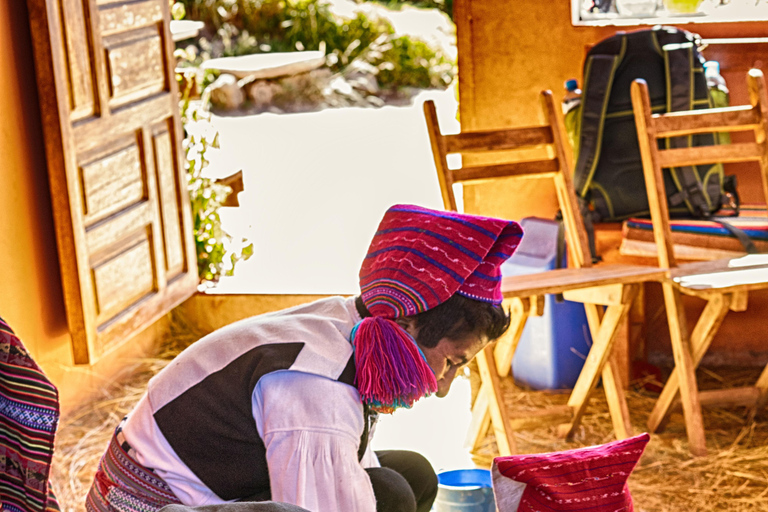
x=512, y=149
x=652, y=127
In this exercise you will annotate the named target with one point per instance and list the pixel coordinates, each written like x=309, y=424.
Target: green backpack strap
x=678, y=60
x=598, y=79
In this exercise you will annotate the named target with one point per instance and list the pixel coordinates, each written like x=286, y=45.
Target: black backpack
x=608, y=174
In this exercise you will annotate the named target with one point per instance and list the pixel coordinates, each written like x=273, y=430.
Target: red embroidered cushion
x=592, y=479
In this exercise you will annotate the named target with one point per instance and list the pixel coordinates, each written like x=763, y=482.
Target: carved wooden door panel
x=110, y=113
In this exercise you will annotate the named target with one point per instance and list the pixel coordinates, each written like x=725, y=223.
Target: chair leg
x=602, y=343
x=499, y=415
x=503, y=352
x=707, y=326
x=481, y=418
x=617, y=401
x=681, y=350
x=520, y=310
x=762, y=399
x=614, y=390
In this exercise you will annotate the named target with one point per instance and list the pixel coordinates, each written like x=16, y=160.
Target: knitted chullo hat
x=418, y=259
x=590, y=479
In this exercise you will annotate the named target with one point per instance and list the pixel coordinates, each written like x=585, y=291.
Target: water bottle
x=571, y=118
x=719, y=93
x=716, y=84
x=572, y=97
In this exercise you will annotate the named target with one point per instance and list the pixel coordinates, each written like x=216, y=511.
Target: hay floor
x=83, y=436
x=733, y=477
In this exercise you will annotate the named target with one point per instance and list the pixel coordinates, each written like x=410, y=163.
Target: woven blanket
x=123, y=485
x=29, y=415
x=700, y=239
x=752, y=220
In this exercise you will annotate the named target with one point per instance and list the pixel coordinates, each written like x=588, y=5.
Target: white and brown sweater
x=264, y=405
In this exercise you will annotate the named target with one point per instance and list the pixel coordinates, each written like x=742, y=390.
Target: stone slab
x=261, y=66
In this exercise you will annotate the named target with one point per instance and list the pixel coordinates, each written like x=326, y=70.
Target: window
x=654, y=12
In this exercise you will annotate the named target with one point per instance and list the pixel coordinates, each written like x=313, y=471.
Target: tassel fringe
x=391, y=371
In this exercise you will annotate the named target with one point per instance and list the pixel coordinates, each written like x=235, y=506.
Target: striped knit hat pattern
x=419, y=258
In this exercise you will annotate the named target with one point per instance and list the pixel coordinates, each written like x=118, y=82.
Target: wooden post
x=703, y=334
x=499, y=415
x=681, y=350
x=602, y=342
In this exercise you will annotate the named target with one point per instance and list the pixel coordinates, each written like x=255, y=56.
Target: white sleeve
x=311, y=427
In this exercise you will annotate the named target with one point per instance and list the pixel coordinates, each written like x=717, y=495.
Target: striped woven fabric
x=123, y=485
x=419, y=258
x=752, y=219
x=591, y=479
x=29, y=415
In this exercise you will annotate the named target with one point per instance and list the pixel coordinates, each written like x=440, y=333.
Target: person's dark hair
x=455, y=319
x=459, y=317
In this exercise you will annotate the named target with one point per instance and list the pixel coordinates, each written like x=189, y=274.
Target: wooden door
x=109, y=105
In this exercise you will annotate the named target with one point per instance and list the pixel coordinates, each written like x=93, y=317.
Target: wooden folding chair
x=724, y=284
x=614, y=286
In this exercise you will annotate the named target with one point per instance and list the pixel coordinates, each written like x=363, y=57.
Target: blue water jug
x=464, y=490
x=553, y=346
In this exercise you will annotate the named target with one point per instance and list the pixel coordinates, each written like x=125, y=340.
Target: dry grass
x=83, y=436
x=732, y=477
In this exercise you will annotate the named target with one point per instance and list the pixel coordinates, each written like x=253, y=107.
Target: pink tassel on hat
x=391, y=371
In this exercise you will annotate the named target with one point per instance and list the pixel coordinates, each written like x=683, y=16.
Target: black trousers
x=405, y=482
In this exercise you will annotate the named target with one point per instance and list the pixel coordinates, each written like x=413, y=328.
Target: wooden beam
x=560, y=280
x=602, y=343
x=738, y=152
x=504, y=351
x=437, y=142
x=681, y=351
x=617, y=401
x=532, y=168
x=499, y=414
x=733, y=397
x=654, y=181
x=672, y=124
x=739, y=300
x=496, y=140
x=608, y=295
x=762, y=399
x=481, y=418
x=703, y=333
x=537, y=305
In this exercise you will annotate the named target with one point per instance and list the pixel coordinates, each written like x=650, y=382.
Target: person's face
x=449, y=356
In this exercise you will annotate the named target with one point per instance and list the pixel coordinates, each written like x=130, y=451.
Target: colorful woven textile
x=592, y=479
x=419, y=258
x=29, y=415
x=122, y=484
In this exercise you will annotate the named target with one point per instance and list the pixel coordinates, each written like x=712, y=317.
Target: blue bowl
x=464, y=490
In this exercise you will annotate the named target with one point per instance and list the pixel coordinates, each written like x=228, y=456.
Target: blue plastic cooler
x=552, y=348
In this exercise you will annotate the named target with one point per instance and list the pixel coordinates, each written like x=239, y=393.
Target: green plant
x=217, y=251
x=407, y=62
x=252, y=26
x=290, y=25
x=444, y=5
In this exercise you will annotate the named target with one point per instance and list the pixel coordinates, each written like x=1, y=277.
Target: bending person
x=279, y=407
